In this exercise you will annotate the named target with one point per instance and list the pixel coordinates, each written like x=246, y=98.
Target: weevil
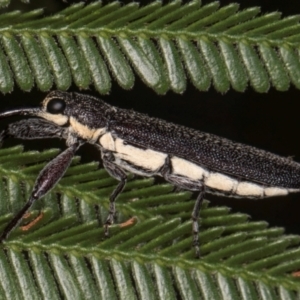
x=129, y=141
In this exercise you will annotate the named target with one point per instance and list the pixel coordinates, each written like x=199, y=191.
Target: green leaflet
x=66, y=253
x=163, y=44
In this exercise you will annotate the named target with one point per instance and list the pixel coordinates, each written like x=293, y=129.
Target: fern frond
x=66, y=254
x=162, y=44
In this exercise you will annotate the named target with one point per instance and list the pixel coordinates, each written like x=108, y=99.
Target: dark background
x=269, y=121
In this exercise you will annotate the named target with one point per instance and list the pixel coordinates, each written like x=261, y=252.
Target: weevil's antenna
x=25, y=111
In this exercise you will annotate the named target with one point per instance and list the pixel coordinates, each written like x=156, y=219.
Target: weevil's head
x=84, y=114
x=63, y=108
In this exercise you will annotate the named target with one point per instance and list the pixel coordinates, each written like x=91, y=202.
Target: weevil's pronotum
x=133, y=142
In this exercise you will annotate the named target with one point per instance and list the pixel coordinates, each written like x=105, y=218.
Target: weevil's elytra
x=134, y=142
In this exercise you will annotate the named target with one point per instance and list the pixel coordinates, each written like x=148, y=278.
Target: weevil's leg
x=116, y=172
x=187, y=184
x=31, y=129
x=195, y=217
x=46, y=180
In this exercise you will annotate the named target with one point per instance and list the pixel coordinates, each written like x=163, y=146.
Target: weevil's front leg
x=46, y=180
x=116, y=172
x=31, y=129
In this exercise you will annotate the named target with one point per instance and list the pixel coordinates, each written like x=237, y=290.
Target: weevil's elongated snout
x=26, y=111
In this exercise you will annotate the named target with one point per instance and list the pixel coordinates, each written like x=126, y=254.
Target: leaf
x=164, y=45
x=65, y=254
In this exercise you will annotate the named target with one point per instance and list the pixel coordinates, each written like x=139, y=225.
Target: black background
x=269, y=121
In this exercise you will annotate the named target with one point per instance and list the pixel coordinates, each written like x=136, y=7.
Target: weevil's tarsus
x=46, y=180
x=112, y=205
x=117, y=173
x=16, y=219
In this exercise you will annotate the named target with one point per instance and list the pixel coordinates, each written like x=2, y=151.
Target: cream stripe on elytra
x=220, y=182
x=145, y=158
x=249, y=189
x=275, y=191
x=187, y=169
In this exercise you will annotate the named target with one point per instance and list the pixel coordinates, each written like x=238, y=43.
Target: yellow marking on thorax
x=84, y=131
x=58, y=119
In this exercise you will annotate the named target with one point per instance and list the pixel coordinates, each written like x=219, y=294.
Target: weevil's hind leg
x=46, y=180
x=195, y=218
x=187, y=184
x=119, y=174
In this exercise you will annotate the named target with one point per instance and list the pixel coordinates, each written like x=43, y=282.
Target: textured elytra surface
x=237, y=255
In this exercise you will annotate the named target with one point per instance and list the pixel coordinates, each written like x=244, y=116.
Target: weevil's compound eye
x=56, y=106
